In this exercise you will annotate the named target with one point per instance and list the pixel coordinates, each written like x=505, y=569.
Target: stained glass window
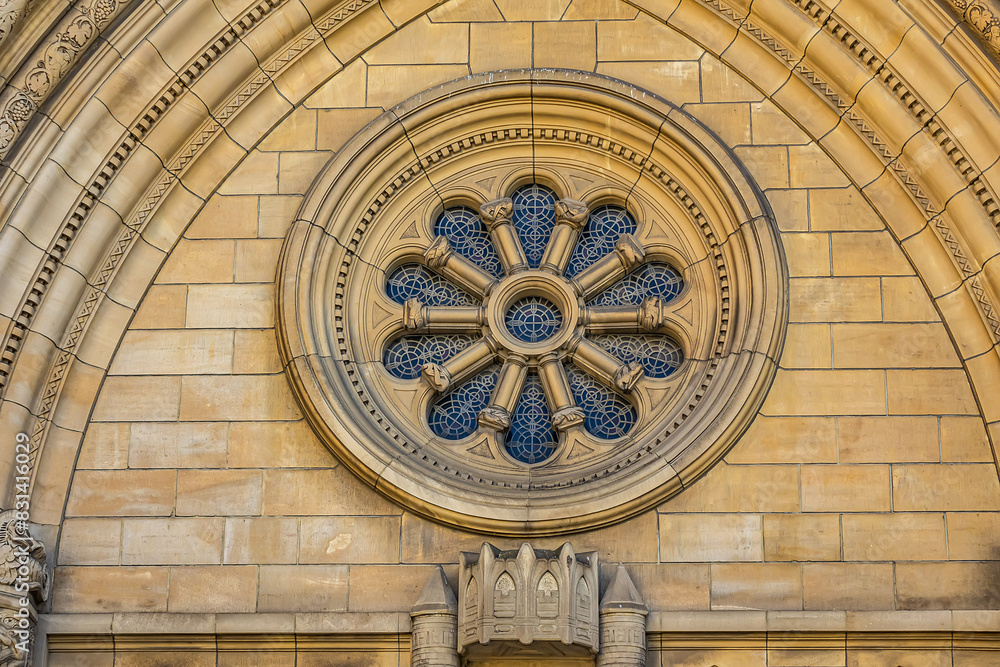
x=534, y=219
x=413, y=281
x=469, y=238
x=531, y=436
x=659, y=355
x=605, y=226
x=453, y=416
x=607, y=415
x=654, y=279
x=406, y=355
x=533, y=319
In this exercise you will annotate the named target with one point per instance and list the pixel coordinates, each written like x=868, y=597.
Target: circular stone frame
x=592, y=139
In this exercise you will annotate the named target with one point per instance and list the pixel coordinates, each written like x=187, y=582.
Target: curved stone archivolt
x=102, y=181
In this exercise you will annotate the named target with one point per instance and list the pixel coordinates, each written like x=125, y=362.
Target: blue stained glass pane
x=659, y=355
x=533, y=319
x=534, y=220
x=531, y=438
x=605, y=226
x=453, y=416
x=414, y=281
x=469, y=238
x=607, y=415
x=405, y=356
x=654, y=279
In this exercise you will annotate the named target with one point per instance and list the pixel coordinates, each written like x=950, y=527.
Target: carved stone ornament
x=24, y=587
x=539, y=597
x=480, y=404
x=531, y=604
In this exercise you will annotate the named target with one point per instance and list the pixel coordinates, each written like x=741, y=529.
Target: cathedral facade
x=500, y=333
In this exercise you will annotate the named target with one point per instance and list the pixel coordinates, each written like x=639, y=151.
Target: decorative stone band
x=49, y=64
x=983, y=19
x=11, y=13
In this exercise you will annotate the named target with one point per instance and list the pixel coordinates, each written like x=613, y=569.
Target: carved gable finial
x=622, y=593
x=436, y=595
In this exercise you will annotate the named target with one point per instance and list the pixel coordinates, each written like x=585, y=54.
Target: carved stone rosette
x=529, y=596
x=24, y=587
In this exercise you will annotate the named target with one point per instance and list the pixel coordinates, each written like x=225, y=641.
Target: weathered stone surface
x=304, y=588
x=349, y=540
x=801, y=537
x=711, y=537
x=172, y=541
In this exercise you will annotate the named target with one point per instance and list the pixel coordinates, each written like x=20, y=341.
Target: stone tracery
x=614, y=293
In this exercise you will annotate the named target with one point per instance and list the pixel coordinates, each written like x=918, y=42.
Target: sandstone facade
x=192, y=514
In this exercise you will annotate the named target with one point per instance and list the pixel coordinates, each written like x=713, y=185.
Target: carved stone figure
x=651, y=313
x=24, y=586
x=438, y=252
x=571, y=212
x=631, y=251
x=496, y=212
x=414, y=315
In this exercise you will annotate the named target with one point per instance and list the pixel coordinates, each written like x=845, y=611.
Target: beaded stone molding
x=531, y=302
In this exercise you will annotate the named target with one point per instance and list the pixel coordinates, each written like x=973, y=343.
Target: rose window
x=531, y=302
x=533, y=317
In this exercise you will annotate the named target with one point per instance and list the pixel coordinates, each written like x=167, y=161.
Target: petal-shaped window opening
x=453, y=416
x=469, y=238
x=407, y=355
x=534, y=220
x=531, y=438
x=414, y=281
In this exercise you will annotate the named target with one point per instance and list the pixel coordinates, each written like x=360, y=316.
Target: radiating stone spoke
x=441, y=319
x=471, y=360
x=565, y=412
x=497, y=414
x=650, y=315
x=571, y=216
x=497, y=217
x=611, y=268
x=603, y=366
x=441, y=257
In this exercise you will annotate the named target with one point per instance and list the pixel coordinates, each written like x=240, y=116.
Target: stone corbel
x=24, y=587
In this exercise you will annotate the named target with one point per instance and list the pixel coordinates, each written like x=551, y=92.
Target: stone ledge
x=120, y=624
x=668, y=622
x=381, y=623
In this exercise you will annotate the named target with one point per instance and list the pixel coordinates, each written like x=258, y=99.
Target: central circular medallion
x=533, y=319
